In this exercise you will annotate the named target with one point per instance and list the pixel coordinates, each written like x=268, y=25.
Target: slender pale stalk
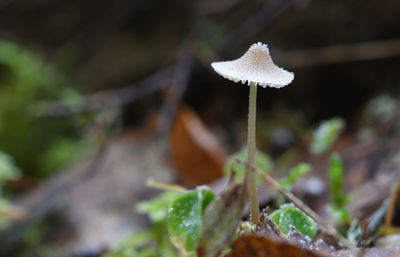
x=251, y=151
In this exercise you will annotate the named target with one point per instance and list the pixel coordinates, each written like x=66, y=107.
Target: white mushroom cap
x=255, y=66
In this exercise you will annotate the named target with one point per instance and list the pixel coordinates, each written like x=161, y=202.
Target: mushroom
x=257, y=69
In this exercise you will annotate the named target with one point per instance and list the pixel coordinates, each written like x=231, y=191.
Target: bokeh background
x=98, y=96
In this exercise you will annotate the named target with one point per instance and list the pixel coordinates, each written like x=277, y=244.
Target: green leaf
x=326, y=134
x=221, y=219
x=8, y=170
x=185, y=217
x=336, y=177
x=295, y=173
x=157, y=208
x=289, y=215
x=263, y=162
x=339, y=199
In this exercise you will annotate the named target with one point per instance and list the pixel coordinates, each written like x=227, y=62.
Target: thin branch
x=154, y=184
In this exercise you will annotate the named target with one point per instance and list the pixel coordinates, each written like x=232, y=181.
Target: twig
x=301, y=206
x=276, y=229
x=392, y=205
x=264, y=220
x=154, y=184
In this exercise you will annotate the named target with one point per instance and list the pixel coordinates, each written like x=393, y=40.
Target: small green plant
x=288, y=216
x=185, y=217
x=33, y=140
x=326, y=134
x=339, y=199
x=176, y=222
x=157, y=208
x=294, y=173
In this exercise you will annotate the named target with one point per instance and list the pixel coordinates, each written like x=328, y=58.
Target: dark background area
x=109, y=44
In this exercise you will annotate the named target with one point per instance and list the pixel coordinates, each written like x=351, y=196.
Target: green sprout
x=294, y=173
x=339, y=199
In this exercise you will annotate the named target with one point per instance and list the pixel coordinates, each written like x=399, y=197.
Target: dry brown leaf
x=253, y=245
x=260, y=246
x=195, y=151
x=220, y=220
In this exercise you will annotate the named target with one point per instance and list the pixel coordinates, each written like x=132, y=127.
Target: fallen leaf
x=261, y=246
x=221, y=219
x=195, y=151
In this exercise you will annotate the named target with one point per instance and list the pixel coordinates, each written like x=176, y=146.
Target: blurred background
x=96, y=97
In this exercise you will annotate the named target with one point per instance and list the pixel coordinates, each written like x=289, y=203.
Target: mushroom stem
x=251, y=151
